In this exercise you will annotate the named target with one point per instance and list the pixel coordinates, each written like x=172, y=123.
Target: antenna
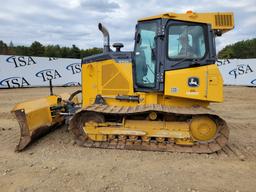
x=50, y=84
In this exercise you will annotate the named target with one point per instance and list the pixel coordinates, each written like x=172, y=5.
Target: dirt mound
x=55, y=163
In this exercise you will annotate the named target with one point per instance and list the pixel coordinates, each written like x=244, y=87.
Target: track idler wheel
x=78, y=121
x=203, y=128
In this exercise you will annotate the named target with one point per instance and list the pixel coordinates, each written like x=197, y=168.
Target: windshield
x=186, y=41
x=145, y=58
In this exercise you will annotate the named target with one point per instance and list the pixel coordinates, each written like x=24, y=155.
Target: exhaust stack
x=106, y=38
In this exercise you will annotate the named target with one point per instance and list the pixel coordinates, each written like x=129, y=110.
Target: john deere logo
x=193, y=82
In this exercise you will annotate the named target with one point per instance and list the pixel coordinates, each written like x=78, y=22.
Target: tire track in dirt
x=9, y=137
x=6, y=115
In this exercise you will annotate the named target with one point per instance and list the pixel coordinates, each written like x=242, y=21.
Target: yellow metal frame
x=36, y=117
x=200, y=128
x=98, y=81
x=37, y=112
x=144, y=128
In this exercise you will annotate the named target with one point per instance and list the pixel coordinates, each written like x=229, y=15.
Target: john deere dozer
x=155, y=98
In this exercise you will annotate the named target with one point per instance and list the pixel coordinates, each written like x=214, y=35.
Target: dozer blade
x=38, y=117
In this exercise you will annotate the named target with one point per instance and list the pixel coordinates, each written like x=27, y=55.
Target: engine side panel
x=106, y=78
x=109, y=79
x=200, y=83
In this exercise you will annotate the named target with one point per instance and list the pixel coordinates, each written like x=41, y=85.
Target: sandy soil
x=55, y=163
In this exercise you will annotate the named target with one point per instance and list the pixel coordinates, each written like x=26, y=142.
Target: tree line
x=37, y=49
x=240, y=50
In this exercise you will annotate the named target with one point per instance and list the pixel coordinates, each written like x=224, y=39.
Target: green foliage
x=52, y=51
x=74, y=52
x=3, y=48
x=240, y=50
x=88, y=52
x=21, y=50
x=37, y=49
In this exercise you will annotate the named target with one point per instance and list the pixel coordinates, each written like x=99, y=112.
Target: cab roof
x=221, y=21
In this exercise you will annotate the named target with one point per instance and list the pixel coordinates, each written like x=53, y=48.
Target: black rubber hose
x=74, y=94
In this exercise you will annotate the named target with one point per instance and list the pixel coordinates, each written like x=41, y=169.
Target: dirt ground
x=55, y=163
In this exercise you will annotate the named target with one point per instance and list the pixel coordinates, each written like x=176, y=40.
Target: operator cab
x=166, y=44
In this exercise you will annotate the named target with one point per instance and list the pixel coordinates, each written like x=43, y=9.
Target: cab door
x=145, y=59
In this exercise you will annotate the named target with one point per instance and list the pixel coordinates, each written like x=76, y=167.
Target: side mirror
x=138, y=38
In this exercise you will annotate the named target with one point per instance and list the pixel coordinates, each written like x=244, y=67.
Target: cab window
x=186, y=41
x=145, y=58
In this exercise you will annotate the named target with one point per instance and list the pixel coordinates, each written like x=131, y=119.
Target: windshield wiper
x=194, y=62
x=180, y=61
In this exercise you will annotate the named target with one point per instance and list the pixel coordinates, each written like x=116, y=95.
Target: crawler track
x=212, y=146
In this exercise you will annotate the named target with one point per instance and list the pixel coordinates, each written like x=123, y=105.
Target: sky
x=67, y=22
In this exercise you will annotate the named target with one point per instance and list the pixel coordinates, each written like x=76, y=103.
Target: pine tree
x=75, y=52
x=3, y=48
x=36, y=49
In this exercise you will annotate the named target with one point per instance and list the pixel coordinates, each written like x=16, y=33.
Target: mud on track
x=54, y=163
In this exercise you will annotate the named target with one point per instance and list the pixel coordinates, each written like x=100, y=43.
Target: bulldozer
x=155, y=98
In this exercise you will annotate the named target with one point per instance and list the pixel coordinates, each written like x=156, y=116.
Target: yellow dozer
x=155, y=98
